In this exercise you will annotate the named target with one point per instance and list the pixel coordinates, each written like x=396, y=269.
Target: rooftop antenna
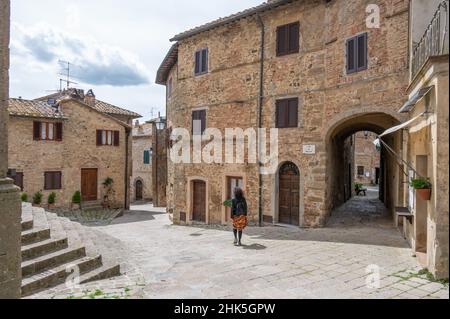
x=65, y=73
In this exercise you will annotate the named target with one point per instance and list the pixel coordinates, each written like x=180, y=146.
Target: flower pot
x=424, y=194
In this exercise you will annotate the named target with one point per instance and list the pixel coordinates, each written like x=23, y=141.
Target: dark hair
x=238, y=193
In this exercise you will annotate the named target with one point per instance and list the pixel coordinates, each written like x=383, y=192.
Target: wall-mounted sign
x=309, y=149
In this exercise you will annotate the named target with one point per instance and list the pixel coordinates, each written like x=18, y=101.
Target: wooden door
x=232, y=184
x=289, y=195
x=139, y=187
x=89, y=184
x=199, y=201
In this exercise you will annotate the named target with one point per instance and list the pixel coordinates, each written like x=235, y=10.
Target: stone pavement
x=275, y=262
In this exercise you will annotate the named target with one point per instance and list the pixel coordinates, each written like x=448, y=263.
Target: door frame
x=225, y=191
x=81, y=183
x=190, y=198
x=135, y=189
x=275, y=196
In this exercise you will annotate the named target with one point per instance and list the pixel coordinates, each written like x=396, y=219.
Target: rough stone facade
x=78, y=150
x=10, y=207
x=142, y=172
x=367, y=157
x=159, y=166
x=332, y=104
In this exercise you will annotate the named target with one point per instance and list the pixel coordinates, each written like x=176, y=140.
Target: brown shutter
x=294, y=37
x=293, y=113
x=282, y=113
x=36, y=131
x=47, y=180
x=204, y=61
x=57, y=180
x=59, y=131
x=197, y=62
x=203, y=120
x=282, y=40
x=362, y=52
x=19, y=180
x=116, y=138
x=351, y=55
x=99, y=137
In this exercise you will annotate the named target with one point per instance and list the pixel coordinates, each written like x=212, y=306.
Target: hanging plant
x=423, y=187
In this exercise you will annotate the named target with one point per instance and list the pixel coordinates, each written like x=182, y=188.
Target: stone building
x=367, y=159
x=425, y=136
x=319, y=71
x=141, y=179
x=159, y=161
x=10, y=207
x=70, y=143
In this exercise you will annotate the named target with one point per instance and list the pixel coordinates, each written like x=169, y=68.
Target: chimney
x=136, y=123
x=89, y=98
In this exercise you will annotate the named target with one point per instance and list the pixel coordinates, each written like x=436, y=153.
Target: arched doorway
x=199, y=201
x=139, y=189
x=289, y=194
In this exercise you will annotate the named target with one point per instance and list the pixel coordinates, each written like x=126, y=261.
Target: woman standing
x=239, y=215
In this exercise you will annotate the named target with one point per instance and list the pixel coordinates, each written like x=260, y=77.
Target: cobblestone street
x=275, y=262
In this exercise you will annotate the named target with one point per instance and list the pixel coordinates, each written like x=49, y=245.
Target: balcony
x=434, y=42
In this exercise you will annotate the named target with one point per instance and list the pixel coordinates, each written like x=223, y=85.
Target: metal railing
x=435, y=40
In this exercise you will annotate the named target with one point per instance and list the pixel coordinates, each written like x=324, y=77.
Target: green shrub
x=24, y=197
x=37, y=198
x=228, y=203
x=359, y=186
x=76, y=198
x=51, y=198
x=108, y=182
x=421, y=183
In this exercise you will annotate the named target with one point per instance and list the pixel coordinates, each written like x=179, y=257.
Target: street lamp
x=160, y=123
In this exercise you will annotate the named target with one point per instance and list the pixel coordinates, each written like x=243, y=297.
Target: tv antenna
x=66, y=74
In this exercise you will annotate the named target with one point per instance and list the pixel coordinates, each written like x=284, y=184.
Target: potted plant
x=228, y=203
x=37, y=199
x=51, y=200
x=76, y=200
x=24, y=197
x=423, y=187
x=108, y=185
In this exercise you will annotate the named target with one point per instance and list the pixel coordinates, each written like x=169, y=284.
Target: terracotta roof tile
x=37, y=109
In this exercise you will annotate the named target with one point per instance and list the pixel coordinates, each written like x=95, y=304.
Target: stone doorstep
x=35, y=235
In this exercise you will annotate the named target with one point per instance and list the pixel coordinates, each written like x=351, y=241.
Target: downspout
x=259, y=117
x=127, y=178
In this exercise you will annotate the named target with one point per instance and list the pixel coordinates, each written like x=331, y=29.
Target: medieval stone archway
x=339, y=158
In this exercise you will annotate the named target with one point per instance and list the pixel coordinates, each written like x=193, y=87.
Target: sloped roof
x=36, y=109
x=167, y=64
x=231, y=18
x=101, y=106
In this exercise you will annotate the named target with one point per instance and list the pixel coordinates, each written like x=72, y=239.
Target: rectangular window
x=288, y=39
x=43, y=131
x=108, y=138
x=52, y=180
x=356, y=51
x=17, y=177
x=361, y=171
x=198, y=122
x=146, y=157
x=287, y=113
x=201, y=62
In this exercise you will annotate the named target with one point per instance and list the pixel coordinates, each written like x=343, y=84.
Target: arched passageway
x=341, y=168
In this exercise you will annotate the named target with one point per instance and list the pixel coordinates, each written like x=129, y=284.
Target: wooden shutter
x=282, y=40
x=351, y=56
x=204, y=61
x=362, y=52
x=57, y=180
x=18, y=180
x=99, y=137
x=282, y=113
x=203, y=120
x=47, y=180
x=292, y=113
x=116, y=138
x=197, y=62
x=294, y=37
x=59, y=131
x=36, y=131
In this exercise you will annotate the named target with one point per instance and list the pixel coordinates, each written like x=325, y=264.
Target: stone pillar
x=159, y=166
x=10, y=206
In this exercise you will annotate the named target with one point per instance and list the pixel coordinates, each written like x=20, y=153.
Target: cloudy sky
x=115, y=46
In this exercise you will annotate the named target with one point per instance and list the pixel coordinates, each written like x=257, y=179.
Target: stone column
x=10, y=206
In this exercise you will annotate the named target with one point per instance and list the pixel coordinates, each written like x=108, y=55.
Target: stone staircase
x=53, y=247
x=91, y=206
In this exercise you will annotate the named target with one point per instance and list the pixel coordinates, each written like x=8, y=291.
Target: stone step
x=44, y=247
x=58, y=275
x=52, y=260
x=35, y=235
x=27, y=224
x=101, y=273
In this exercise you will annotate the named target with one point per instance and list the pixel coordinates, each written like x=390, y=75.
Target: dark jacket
x=239, y=207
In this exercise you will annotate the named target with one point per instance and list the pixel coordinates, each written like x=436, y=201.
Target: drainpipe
x=259, y=112
x=127, y=178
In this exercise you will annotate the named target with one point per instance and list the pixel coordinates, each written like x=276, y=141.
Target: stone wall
x=159, y=167
x=142, y=141
x=367, y=156
x=77, y=150
x=10, y=209
x=316, y=75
